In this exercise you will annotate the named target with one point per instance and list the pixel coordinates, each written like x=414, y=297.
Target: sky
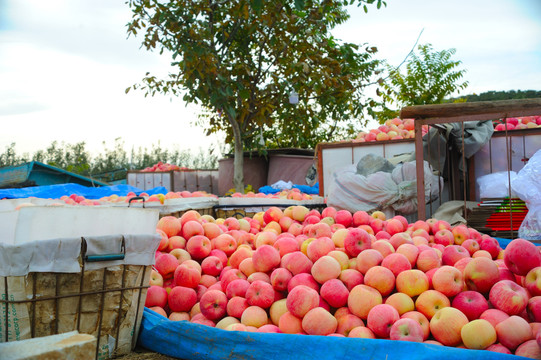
x=65, y=65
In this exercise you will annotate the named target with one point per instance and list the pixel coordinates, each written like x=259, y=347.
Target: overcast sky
x=64, y=65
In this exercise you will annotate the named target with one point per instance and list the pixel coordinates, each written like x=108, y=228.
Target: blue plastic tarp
x=185, y=340
x=59, y=190
x=312, y=190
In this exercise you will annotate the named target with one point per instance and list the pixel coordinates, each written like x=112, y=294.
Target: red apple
x=361, y=218
x=430, y=301
x=213, y=304
x=260, y=293
x=444, y=237
x=301, y=299
x=182, y=299
x=406, y=329
x=343, y=217
x=529, y=349
x=471, y=245
x=166, y=264
x=521, y=256
x=494, y=316
x=356, y=241
x=421, y=320
x=296, y=262
x=266, y=258
x=237, y=287
x=452, y=253
x=472, y=303
x=381, y=318
x=428, y=259
x=446, y=325
x=534, y=309
x=347, y=322
x=396, y=262
x=491, y=245
x=513, y=331
x=236, y=306
x=198, y=246
x=480, y=274
x=461, y=233
x=367, y=259
x=381, y=279
x=303, y=279
x=351, y=278
x=412, y=282
x=319, y=247
x=326, y=268
x=155, y=278
x=509, y=297
x=186, y=275
x=532, y=281
x=212, y=265
x=156, y=296
x=319, y=321
x=448, y=280
x=362, y=298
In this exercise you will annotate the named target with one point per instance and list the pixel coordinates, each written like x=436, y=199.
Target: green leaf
x=244, y=93
x=257, y=5
x=299, y=4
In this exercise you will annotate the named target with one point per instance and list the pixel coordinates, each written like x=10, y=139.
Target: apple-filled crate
x=343, y=274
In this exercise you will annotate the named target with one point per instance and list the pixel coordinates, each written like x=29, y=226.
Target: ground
x=143, y=354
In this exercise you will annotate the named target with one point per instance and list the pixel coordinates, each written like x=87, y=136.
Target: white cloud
x=497, y=41
x=64, y=65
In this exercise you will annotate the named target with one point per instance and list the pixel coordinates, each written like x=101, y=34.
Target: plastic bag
x=496, y=185
x=527, y=186
x=406, y=174
x=352, y=191
x=384, y=191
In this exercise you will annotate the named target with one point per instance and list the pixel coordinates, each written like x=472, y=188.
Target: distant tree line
x=112, y=163
x=500, y=95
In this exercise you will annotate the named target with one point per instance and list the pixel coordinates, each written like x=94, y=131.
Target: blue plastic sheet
x=58, y=190
x=185, y=340
x=313, y=190
x=503, y=242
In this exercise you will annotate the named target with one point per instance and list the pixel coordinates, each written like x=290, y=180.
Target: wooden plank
x=419, y=168
x=320, y=176
x=479, y=110
x=69, y=345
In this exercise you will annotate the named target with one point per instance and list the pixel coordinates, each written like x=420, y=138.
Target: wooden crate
x=106, y=302
x=185, y=180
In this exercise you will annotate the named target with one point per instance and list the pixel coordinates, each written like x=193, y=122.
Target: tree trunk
x=238, y=160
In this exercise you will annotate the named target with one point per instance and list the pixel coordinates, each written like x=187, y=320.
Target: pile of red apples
x=334, y=273
x=393, y=129
x=526, y=122
x=290, y=194
x=75, y=199
x=161, y=166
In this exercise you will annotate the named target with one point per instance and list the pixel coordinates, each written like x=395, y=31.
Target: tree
x=241, y=59
x=430, y=77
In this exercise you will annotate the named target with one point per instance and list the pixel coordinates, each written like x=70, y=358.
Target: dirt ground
x=144, y=354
